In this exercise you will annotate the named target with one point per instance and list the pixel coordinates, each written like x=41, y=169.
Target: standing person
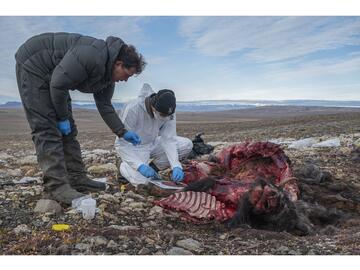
x=47, y=67
x=152, y=116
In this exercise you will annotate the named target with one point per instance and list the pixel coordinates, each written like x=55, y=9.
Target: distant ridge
x=219, y=105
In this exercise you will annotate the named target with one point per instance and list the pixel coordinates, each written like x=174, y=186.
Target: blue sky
x=212, y=58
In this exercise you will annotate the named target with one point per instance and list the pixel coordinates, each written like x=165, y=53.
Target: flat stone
x=189, y=244
x=179, y=251
x=124, y=228
x=28, y=160
x=22, y=228
x=47, y=206
x=103, y=169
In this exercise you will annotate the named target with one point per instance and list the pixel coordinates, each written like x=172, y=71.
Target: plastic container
x=86, y=205
x=88, y=208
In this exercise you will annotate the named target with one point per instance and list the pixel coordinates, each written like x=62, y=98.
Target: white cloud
x=269, y=38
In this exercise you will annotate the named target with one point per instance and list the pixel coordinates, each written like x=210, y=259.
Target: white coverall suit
x=158, y=140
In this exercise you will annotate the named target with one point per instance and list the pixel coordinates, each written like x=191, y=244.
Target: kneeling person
x=152, y=117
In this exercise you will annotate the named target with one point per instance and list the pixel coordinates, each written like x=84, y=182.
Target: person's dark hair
x=131, y=58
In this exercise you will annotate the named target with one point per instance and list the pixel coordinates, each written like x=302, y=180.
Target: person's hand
x=146, y=170
x=177, y=174
x=64, y=127
x=132, y=137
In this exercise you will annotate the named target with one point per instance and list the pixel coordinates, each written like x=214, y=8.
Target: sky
x=214, y=57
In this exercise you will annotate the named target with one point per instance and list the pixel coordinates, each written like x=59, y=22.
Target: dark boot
x=63, y=194
x=84, y=183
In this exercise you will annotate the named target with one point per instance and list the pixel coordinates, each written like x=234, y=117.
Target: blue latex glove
x=132, y=137
x=177, y=174
x=146, y=170
x=64, y=127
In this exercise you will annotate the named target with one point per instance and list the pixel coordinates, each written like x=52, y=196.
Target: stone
x=22, y=228
x=27, y=179
x=144, y=251
x=82, y=246
x=137, y=205
x=112, y=244
x=14, y=173
x=100, y=152
x=28, y=160
x=189, y=244
x=47, y=206
x=156, y=210
x=5, y=156
x=63, y=249
x=124, y=228
x=103, y=169
x=283, y=250
x=179, y=251
x=97, y=241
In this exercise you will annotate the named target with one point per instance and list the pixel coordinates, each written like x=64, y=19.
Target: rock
x=28, y=160
x=137, y=205
x=22, y=228
x=179, y=251
x=14, y=173
x=97, y=241
x=294, y=252
x=100, y=152
x=159, y=252
x=334, y=142
x=5, y=156
x=144, y=251
x=304, y=143
x=156, y=210
x=124, y=228
x=63, y=249
x=102, y=169
x=189, y=244
x=311, y=252
x=223, y=236
x=82, y=246
x=27, y=179
x=47, y=206
x=112, y=244
x=282, y=250
x=356, y=143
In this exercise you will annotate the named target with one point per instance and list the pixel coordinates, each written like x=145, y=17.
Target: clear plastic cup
x=88, y=208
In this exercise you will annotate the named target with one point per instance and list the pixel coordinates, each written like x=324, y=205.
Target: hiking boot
x=84, y=183
x=63, y=194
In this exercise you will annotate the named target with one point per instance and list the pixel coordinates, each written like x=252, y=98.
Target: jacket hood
x=114, y=45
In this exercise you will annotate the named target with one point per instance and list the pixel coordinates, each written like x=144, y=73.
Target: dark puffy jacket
x=67, y=61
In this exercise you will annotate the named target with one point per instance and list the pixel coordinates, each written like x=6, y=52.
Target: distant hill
x=221, y=105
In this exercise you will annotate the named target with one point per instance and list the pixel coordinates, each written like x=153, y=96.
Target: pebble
x=22, y=228
x=144, y=251
x=112, y=244
x=189, y=244
x=179, y=251
x=97, y=240
x=82, y=246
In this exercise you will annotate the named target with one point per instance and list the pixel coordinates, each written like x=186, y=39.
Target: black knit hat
x=164, y=101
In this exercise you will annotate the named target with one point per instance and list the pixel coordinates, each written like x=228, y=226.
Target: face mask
x=157, y=116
